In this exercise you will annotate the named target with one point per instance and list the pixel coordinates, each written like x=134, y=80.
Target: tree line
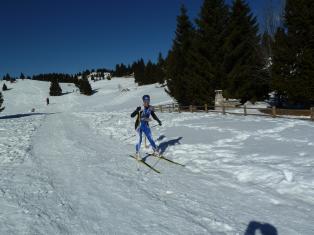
x=144, y=73
x=224, y=49
x=12, y=79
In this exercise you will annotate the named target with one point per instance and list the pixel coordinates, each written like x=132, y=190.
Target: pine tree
x=1, y=102
x=7, y=77
x=139, y=71
x=177, y=63
x=267, y=45
x=149, y=72
x=161, y=69
x=22, y=76
x=243, y=61
x=4, y=87
x=294, y=67
x=84, y=86
x=55, y=89
x=121, y=70
x=282, y=64
x=205, y=73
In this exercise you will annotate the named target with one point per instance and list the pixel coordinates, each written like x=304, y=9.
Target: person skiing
x=47, y=101
x=142, y=124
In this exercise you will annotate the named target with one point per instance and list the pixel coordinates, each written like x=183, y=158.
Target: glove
x=160, y=124
x=138, y=109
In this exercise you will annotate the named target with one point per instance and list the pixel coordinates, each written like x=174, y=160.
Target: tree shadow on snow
x=264, y=229
x=164, y=145
x=8, y=89
x=23, y=115
x=94, y=91
x=67, y=93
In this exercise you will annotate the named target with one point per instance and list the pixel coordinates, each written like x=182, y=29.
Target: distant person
x=47, y=100
x=142, y=125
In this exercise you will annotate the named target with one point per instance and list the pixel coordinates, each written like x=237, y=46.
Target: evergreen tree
x=1, y=102
x=84, y=86
x=177, y=63
x=7, y=77
x=139, y=71
x=55, y=89
x=267, y=45
x=4, y=87
x=206, y=74
x=243, y=61
x=293, y=69
x=161, y=69
x=149, y=73
x=22, y=76
x=282, y=64
x=122, y=70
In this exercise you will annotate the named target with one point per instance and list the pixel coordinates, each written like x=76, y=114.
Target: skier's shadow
x=265, y=229
x=164, y=145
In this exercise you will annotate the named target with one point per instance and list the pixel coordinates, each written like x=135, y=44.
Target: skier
x=47, y=100
x=141, y=124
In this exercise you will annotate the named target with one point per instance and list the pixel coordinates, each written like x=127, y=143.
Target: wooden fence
x=243, y=111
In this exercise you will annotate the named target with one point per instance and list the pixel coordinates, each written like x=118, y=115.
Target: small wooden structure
x=219, y=99
x=221, y=102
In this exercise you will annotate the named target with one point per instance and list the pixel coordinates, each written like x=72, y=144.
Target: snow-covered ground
x=65, y=168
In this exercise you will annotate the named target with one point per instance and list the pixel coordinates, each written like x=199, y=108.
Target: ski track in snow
x=65, y=170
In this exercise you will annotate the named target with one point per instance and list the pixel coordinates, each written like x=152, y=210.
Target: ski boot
x=156, y=153
x=138, y=157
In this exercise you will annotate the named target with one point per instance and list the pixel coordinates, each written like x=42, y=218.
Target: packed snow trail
x=66, y=170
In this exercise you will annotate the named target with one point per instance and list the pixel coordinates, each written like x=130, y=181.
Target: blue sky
x=41, y=36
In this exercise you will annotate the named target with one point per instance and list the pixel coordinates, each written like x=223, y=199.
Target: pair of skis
x=159, y=157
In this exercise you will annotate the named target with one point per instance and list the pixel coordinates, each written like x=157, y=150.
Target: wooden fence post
x=223, y=109
x=274, y=111
x=191, y=108
x=206, y=108
x=245, y=110
x=312, y=113
x=160, y=107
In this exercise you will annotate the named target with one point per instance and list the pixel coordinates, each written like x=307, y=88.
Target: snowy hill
x=64, y=169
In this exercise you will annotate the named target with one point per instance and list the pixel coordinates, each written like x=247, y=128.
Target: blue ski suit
x=142, y=126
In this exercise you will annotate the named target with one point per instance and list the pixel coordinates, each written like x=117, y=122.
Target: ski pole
x=130, y=137
x=155, y=126
x=136, y=134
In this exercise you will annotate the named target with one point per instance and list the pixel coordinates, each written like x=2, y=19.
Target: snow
x=64, y=169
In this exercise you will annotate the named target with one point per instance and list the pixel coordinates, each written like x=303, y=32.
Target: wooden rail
x=243, y=111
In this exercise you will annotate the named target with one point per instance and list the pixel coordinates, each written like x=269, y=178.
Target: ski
x=166, y=159
x=146, y=164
